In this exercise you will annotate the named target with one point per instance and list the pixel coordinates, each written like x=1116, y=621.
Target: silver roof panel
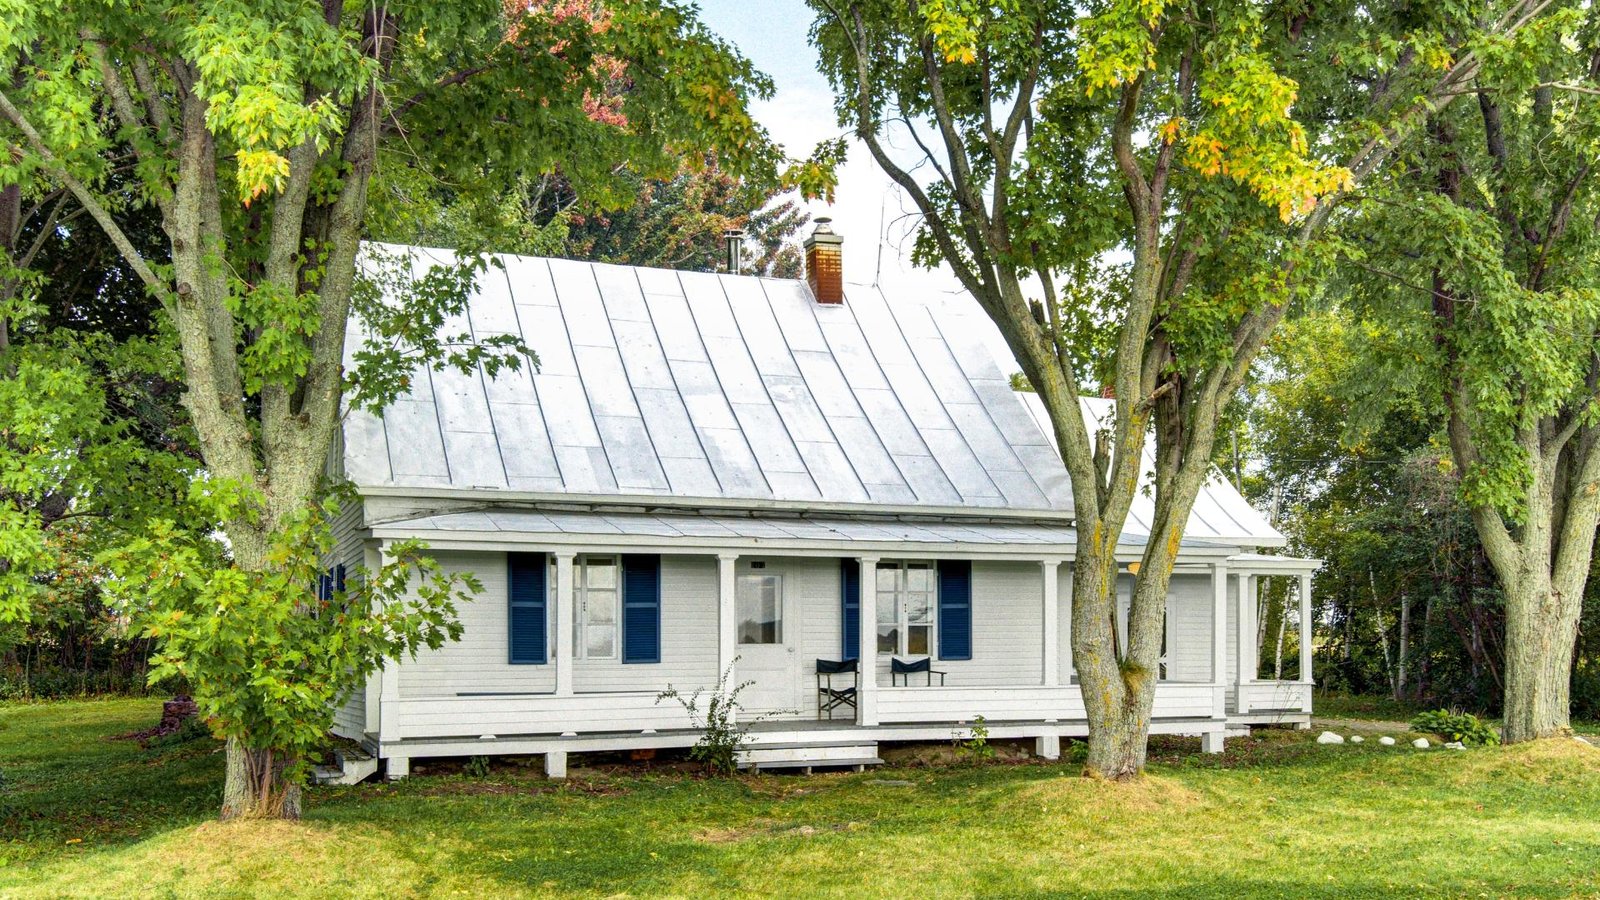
x=702, y=387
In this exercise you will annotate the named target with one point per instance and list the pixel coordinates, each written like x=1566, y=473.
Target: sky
x=873, y=215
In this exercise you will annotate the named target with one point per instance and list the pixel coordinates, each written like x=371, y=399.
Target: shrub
x=476, y=767
x=975, y=747
x=1457, y=726
x=722, y=729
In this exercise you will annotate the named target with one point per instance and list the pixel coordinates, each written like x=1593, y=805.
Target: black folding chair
x=900, y=670
x=829, y=697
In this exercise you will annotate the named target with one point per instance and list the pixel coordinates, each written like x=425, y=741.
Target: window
x=760, y=607
x=905, y=608
x=595, y=603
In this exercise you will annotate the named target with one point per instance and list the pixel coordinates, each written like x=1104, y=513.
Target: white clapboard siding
x=350, y=717
x=1064, y=623
x=1007, y=615
x=1235, y=583
x=1190, y=601
x=964, y=704
x=1278, y=696
x=478, y=663
x=821, y=623
x=532, y=715
x=1006, y=704
x=688, y=637
x=1185, y=701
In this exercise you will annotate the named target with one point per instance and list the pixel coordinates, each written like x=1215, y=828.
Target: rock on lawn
x=1386, y=741
x=1328, y=737
x=1421, y=743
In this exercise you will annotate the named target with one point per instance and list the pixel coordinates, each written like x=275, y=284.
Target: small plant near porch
x=974, y=747
x=723, y=730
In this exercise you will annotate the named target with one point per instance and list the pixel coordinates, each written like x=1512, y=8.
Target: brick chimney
x=825, y=263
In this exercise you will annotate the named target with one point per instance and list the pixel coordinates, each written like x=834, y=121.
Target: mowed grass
x=1276, y=816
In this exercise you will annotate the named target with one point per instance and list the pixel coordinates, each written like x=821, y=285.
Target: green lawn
x=1277, y=816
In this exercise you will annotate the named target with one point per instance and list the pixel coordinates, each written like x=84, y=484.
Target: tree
x=1487, y=290
x=1179, y=135
x=676, y=222
x=257, y=130
x=90, y=446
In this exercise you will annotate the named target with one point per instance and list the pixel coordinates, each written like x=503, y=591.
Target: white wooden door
x=766, y=637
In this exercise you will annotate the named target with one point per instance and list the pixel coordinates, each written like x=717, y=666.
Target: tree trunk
x=1539, y=644
x=1425, y=656
x=1117, y=748
x=257, y=786
x=1400, y=648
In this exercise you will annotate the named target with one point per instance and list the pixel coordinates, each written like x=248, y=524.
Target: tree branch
x=87, y=200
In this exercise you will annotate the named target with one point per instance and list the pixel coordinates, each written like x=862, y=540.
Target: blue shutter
x=641, y=608
x=338, y=578
x=850, y=608
x=527, y=623
x=955, y=609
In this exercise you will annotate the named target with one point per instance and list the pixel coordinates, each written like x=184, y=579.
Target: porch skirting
x=544, y=723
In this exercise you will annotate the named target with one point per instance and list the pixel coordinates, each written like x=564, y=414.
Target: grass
x=1276, y=816
x=1353, y=706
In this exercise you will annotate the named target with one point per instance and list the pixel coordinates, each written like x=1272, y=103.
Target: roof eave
x=701, y=504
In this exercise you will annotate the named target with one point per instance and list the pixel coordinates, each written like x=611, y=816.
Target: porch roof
x=1268, y=563
x=713, y=531
x=507, y=522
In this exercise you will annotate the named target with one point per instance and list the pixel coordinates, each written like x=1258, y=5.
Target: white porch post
x=562, y=652
x=1050, y=569
x=1219, y=630
x=727, y=645
x=389, y=676
x=1066, y=646
x=372, y=559
x=867, y=677
x=1245, y=655
x=395, y=766
x=1305, y=628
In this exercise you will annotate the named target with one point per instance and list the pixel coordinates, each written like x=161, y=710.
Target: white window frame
x=777, y=590
x=581, y=603
x=902, y=594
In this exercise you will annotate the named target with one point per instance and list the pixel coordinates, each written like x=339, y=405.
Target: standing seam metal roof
x=662, y=384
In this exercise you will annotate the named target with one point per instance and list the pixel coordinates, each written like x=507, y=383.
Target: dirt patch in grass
x=1149, y=794
x=947, y=754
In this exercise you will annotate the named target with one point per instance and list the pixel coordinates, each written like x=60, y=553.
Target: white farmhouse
x=777, y=478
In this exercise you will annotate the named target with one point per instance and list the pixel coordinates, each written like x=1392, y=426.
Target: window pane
x=600, y=572
x=919, y=577
x=888, y=639
x=601, y=641
x=919, y=608
x=759, y=599
x=602, y=607
x=887, y=577
x=888, y=608
x=917, y=637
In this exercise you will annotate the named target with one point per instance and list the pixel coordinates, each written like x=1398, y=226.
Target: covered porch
x=1271, y=677
x=763, y=598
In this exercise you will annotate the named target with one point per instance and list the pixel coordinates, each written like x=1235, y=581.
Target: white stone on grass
x=1328, y=737
x=1357, y=739
x=1386, y=741
x=1455, y=745
x=1421, y=743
